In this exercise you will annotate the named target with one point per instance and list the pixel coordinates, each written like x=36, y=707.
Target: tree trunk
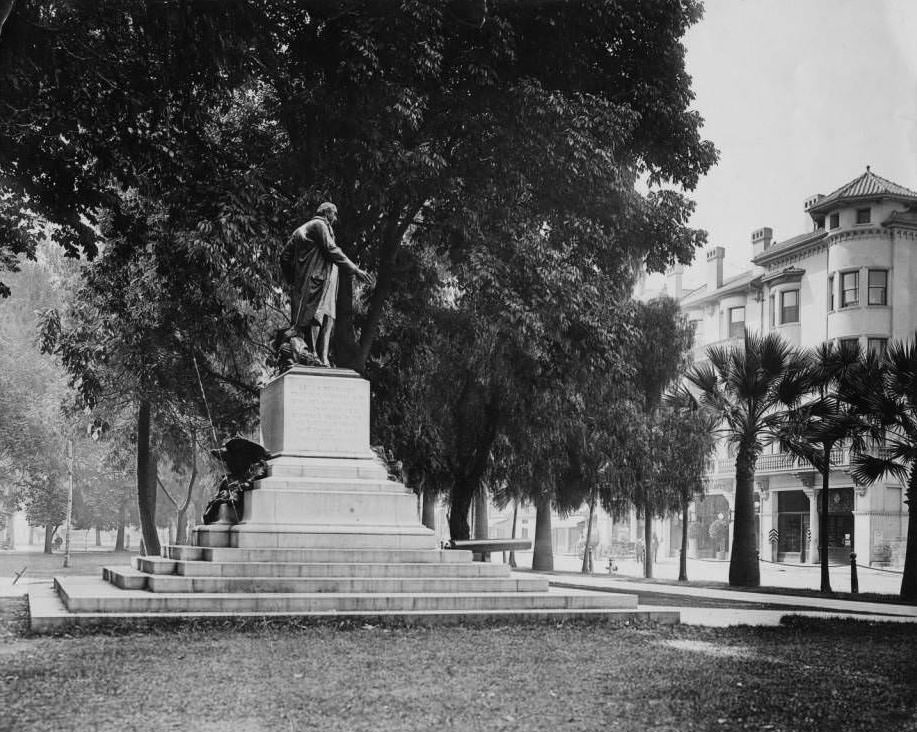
x=683, y=556
x=49, y=539
x=480, y=513
x=543, y=555
x=512, y=554
x=119, y=537
x=743, y=563
x=587, y=553
x=909, y=576
x=823, y=523
x=459, y=506
x=344, y=342
x=647, y=543
x=428, y=509
x=146, y=482
x=11, y=530
x=181, y=526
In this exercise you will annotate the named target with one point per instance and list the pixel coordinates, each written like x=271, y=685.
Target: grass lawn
x=805, y=675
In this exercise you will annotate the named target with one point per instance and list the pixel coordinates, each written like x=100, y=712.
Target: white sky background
x=799, y=96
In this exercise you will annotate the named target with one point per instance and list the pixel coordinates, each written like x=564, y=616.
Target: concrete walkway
x=711, y=615
x=789, y=575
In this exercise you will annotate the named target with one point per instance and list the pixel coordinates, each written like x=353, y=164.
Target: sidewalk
x=794, y=576
x=722, y=607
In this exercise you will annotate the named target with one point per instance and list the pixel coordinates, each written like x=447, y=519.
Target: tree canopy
x=527, y=177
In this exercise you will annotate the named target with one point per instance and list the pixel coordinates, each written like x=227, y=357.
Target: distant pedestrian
x=655, y=547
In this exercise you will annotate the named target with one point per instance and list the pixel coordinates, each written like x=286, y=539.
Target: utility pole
x=69, y=501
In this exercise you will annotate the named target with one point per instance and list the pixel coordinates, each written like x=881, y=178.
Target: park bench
x=483, y=548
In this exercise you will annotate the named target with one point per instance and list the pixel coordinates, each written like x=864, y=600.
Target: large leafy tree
x=888, y=391
x=688, y=438
x=192, y=138
x=660, y=352
x=97, y=97
x=501, y=111
x=156, y=169
x=33, y=429
x=749, y=386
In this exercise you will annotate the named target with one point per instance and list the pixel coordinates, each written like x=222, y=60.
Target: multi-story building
x=851, y=277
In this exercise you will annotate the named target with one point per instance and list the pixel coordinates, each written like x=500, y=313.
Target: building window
x=771, y=310
x=737, y=322
x=834, y=221
x=877, y=346
x=789, y=306
x=850, y=289
x=850, y=344
x=878, y=287
x=863, y=215
x=831, y=292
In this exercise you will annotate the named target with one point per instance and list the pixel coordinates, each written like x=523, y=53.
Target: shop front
x=840, y=524
x=792, y=526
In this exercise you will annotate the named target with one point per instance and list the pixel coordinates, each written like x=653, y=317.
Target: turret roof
x=868, y=185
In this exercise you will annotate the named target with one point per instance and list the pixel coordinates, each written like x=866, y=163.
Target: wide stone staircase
x=368, y=585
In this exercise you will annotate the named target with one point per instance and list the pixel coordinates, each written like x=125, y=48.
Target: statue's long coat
x=309, y=268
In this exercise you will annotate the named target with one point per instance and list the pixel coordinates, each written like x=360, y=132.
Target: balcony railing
x=784, y=462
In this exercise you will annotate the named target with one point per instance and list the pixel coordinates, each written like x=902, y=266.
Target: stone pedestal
x=325, y=488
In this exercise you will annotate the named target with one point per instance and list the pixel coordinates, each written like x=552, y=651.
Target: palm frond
x=867, y=469
x=901, y=367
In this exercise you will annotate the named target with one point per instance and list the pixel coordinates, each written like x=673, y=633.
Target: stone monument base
x=325, y=487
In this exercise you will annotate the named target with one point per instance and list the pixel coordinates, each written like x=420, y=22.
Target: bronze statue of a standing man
x=311, y=271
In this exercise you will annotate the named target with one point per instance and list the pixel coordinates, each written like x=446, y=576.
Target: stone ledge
x=48, y=615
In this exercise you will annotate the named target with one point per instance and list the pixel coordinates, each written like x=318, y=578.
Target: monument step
x=318, y=555
x=159, y=565
x=48, y=613
x=317, y=467
x=347, y=485
x=283, y=502
x=91, y=595
x=246, y=536
x=125, y=578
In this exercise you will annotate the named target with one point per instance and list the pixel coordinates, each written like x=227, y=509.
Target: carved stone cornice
x=796, y=255
x=872, y=232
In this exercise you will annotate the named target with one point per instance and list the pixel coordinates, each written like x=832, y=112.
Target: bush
x=718, y=531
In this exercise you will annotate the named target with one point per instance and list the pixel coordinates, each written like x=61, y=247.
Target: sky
x=799, y=96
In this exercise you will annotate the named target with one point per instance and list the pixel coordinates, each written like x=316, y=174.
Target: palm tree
x=815, y=427
x=888, y=390
x=749, y=387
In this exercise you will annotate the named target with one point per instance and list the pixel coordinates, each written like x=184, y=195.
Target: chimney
x=674, y=281
x=761, y=240
x=818, y=220
x=715, y=268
